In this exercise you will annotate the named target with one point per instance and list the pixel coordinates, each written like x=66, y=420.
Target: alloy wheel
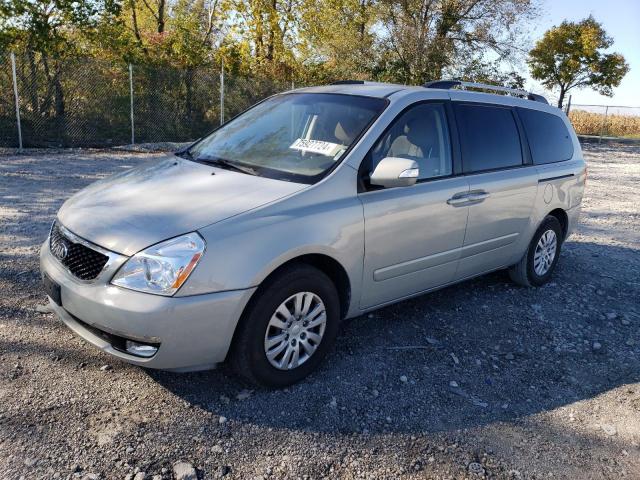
x=295, y=330
x=545, y=252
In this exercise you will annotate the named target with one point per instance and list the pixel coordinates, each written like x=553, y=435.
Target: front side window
x=489, y=137
x=421, y=134
x=297, y=136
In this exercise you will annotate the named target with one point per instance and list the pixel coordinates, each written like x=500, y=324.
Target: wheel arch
x=323, y=262
x=563, y=218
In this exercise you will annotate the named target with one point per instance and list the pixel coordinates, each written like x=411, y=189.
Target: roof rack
x=449, y=84
x=348, y=82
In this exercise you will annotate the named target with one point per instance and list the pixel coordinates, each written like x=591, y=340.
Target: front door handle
x=477, y=196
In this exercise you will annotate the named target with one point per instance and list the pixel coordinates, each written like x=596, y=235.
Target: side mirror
x=395, y=172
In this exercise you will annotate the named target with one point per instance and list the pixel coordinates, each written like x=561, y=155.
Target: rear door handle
x=459, y=199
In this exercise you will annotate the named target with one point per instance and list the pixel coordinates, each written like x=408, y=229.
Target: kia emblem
x=60, y=250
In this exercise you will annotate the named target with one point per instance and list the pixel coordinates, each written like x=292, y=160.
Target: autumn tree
x=572, y=55
x=338, y=36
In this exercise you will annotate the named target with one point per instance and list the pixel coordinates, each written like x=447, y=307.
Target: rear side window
x=549, y=139
x=489, y=137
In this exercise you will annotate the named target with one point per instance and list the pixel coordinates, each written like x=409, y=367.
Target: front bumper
x=193, y=332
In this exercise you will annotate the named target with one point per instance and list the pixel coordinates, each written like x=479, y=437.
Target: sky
x=621, y=20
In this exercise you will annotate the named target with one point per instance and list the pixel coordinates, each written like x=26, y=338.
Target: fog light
x=140, y=349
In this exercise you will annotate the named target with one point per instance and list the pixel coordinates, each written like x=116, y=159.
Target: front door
x=413, y=235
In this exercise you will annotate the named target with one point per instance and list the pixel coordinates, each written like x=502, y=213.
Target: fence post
x=15, y=93
x=604, y=121
x=133, y=129
x=222, y=92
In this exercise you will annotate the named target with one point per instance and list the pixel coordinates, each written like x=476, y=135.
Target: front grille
x=82, y=261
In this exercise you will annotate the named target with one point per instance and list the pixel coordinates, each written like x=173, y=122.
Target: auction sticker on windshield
x=317, y=146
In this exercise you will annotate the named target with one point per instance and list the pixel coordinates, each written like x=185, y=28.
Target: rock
x=216, y=449
x=222, y=471
x=479, y=403
x=509, y=356
x=475, y=468
x=106, y=368
x=140, y=476
x=184, y=471
x=222, y=420
x=611, y=315
x=244, y=394
x=431, y=340
x=609, y=429
x=31, y=462
x=44, y=308
x=453, y=384
x=454, y=358
x=404, y=379
x=375, y=392
x=596, y=346
x=91, y=476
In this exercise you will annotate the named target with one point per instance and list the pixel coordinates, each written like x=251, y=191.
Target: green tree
x=49, y=32
x=572, y=55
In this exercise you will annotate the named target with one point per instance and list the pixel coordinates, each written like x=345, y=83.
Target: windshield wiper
x=224, y=163
x=184, y=154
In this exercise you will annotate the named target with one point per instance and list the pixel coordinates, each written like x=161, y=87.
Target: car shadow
x=479, y=352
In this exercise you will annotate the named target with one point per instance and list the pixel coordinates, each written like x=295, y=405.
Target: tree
x=428, y=39
x=337, y=35
x=49, y=32
x=572, y=55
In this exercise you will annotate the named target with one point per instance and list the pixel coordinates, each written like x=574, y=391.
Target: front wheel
x=537, y=265
x=288, y=328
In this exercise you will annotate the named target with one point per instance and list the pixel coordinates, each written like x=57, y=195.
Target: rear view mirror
x=395, y=172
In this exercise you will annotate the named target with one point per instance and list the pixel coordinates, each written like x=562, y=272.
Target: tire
x=263, y=320
x=532, y=271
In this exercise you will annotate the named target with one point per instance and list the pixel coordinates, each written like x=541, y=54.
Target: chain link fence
x=87, y=102
x=605, y=120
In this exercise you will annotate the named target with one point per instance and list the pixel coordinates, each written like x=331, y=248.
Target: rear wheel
x=537, y=265
x=288, y=328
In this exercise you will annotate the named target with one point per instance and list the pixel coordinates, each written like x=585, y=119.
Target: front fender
x=242, y=251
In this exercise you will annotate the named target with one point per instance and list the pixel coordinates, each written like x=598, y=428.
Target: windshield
x=297, y=136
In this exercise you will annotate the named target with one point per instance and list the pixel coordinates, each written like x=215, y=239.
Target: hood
x=130, y=211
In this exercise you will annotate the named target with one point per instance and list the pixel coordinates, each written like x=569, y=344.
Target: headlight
x=162, y=268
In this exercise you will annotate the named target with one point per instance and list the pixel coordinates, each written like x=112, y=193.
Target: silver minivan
x=313, y=206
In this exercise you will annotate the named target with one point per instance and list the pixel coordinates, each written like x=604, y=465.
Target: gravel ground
x=479, y=379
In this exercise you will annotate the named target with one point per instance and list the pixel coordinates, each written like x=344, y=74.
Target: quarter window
x=489, y=137
x=419, y=134
x=548, y=136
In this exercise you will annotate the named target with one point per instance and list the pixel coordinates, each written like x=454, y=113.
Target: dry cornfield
x=615, y=125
